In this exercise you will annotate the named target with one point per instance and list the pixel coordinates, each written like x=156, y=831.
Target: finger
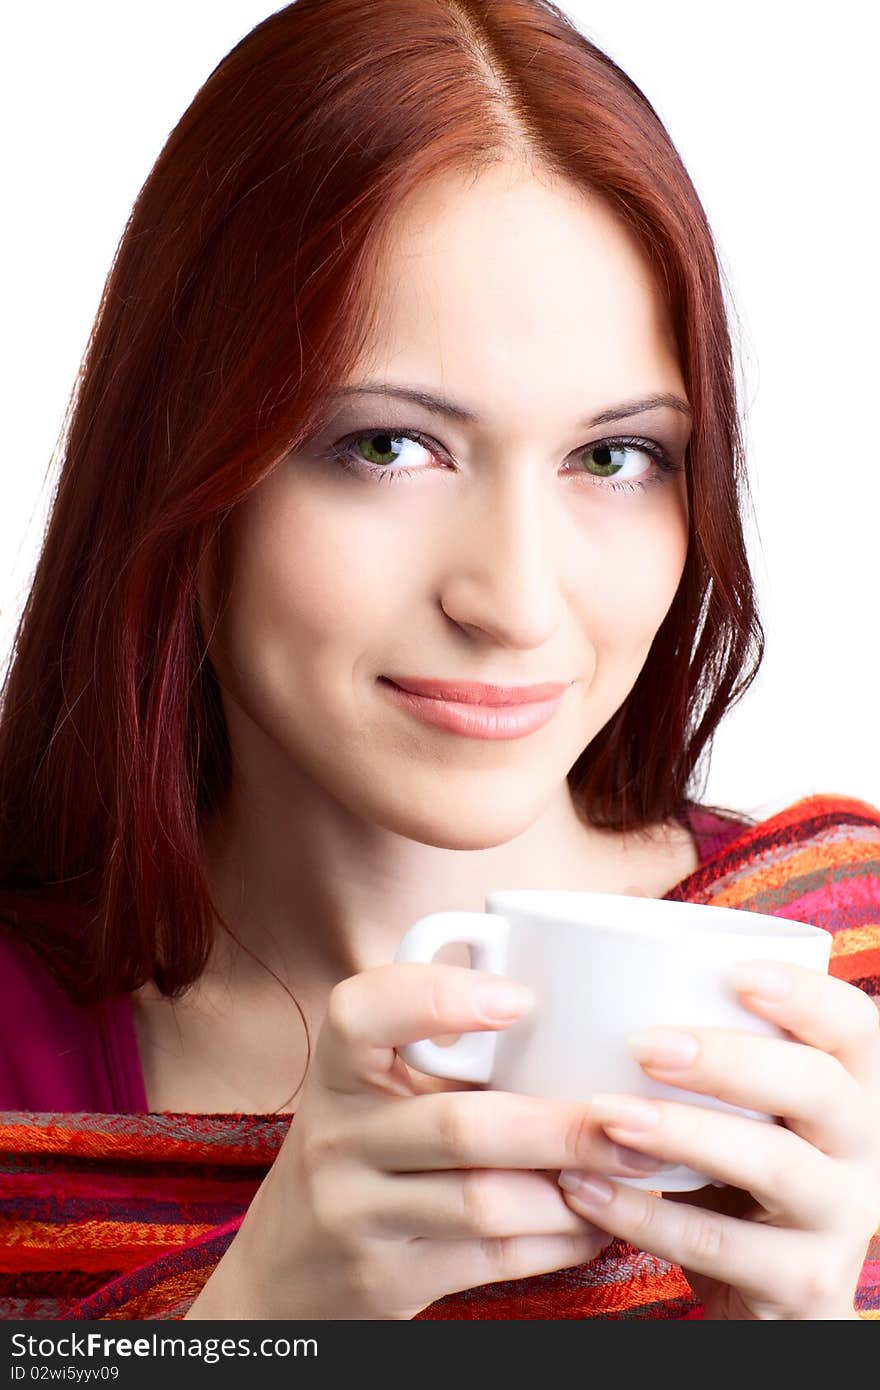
x=795, y=1183
x=372, y=1013
x=479, y=1203
x=761, y=1261
x=815, y=1095
x=821, y=1010
x=485, y=1129
x=469, y=1264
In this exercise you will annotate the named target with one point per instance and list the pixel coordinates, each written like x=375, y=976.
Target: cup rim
x=730, y=921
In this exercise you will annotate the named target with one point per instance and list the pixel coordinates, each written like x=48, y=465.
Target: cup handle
x=471, y=1058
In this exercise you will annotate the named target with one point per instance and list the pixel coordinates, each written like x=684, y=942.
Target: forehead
x=523, y=289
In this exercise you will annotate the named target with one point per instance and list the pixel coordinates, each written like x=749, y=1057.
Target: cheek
x=635, y=580
x=315, y=583
x=307, y=588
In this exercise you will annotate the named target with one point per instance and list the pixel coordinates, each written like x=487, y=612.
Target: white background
x=773, y=109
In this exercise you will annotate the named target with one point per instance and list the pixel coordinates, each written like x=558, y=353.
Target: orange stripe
x=38, y=1245
x=770, y=877
x=582, y=1301
x=165, y=1294
x=851, y=939
x=820, y=804
x=99, y=1143
x=856, y=966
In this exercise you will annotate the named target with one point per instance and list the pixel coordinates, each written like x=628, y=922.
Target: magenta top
x=58, y=1055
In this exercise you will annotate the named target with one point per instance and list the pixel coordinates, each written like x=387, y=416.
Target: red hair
x=241, y=291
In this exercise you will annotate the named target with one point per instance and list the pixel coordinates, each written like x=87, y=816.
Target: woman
x=447, y=246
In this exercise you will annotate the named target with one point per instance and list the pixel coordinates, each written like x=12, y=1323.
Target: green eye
x=375, y=459
x=608, y=468
x=382, y=452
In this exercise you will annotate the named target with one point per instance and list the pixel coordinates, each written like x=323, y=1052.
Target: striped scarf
x=125, y=1216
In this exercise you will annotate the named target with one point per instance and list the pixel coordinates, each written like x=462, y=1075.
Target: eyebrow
x=441, y=406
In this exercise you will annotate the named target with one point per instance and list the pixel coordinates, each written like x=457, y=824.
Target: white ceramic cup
x=602, y=966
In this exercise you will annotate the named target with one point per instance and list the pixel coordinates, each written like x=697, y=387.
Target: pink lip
x=486, y=721
x=474, y=693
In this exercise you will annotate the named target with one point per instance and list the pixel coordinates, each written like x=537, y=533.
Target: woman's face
x=508, y=548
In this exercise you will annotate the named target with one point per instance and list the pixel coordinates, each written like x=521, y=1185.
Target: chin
x=481, y=830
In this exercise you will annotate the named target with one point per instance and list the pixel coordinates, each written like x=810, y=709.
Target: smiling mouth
x=472, y=720
x=478, y=693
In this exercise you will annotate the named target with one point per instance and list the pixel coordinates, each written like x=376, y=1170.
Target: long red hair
x=241, y=291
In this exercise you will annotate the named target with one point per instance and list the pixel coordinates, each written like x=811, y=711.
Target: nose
x=504, y=563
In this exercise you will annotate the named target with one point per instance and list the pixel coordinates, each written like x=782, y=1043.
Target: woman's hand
x=815, y=1178
x=383, y=1199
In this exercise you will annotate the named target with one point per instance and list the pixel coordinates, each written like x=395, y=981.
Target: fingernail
x=504, y=999
x=624, y=1111
x=589, y=1189
x=644, y=1163
x=765, y=980
x=663, y=1047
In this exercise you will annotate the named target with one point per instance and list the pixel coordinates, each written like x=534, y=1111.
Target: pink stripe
x=843, y=899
